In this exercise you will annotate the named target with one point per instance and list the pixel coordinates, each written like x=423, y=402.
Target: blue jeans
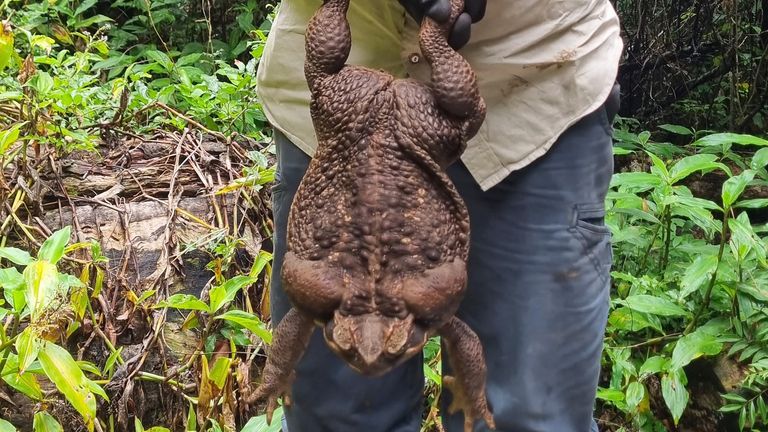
x=537, y=296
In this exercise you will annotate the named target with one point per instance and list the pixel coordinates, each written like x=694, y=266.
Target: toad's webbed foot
x=467, y=385
x=290, y=341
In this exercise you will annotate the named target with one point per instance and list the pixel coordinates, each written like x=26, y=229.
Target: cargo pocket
x=588, y=226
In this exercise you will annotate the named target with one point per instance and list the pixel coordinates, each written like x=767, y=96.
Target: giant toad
x=377, y=234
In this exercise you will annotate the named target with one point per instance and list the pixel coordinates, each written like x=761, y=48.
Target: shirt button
x=414, y=58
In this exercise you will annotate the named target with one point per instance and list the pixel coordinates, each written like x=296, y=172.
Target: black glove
x=440, y=11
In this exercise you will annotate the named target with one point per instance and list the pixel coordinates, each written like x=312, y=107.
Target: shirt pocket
x=588, y=226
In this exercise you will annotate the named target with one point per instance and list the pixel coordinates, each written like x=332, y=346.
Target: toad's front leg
x=290, y=340
x=467, y=384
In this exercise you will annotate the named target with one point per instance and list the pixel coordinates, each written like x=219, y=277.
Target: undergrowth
x=689, y=264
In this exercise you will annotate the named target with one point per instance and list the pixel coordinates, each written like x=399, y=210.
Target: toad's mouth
x=373, y=344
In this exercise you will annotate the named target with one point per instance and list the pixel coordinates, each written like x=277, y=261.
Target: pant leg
x=538, y=288
x=328, y=396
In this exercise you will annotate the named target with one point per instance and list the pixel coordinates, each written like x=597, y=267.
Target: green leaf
x=6, y=426
x=635, y=394
x=261, y=261
x=729, y=138
x=9, y=136
x=259, y=424
x=692, y=346
x=16, y=256
x=654, y=365
x=249, y=321
x=752, y=203
x=63, y=371
x=220, y=371
x=654, y=305
x=53, y=248
x=191, y=419
x=675, y=394
x=84, y=6
x=624, y=318
x=734, y=186
x=697, y=273
x=183, y=301
x=27, y=345
x=676, y=129
x=610, y=395
x=689, y=165
x=44, y=422
x=636, y=181
x=110, y=363
x=42, y=280
x=96, y=19
x=25, y=383
x=225, y=293
x=660, y=166
x=160, y=58
x=759, y=159
x=42, y=83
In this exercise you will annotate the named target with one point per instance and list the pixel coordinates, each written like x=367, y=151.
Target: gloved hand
x=440, y=11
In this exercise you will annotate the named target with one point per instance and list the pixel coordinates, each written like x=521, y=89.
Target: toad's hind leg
x=328, y=42
x=467, y=384
x=290, y=340
x=453, y=81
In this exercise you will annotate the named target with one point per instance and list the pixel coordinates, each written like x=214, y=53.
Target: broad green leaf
x=220, y=371
x=611, y=395
x=44, y=422
x=7, y=52
x=96, y=19
x=183, y=301
x=752, y=203
x=53, y=248
x=27, y=345
x=10, y=278
x=694, y=202
x=16, y=256
x=259, y=424
x=636, y=181
x=699, y=272
x=654, y=365
x=261, y=261
x=636, y=213
x=730, y=138
x=249, y=321
x=84, y=6
x=660, y=166
x=432, y=375
x=692, y=346
x=63, y=371
x=675, y=394
x=42, y=83
x=691, y=164
x=654, y=305
x=635, y=394
x=137, y=425
x=226, y=292
x=6, y=426
x=42, y=280
x=759, y=159
x=734, y=186
x=24, y=383
x=9, y=136
x=676, y=129
x=624, y=318
x=160, y=58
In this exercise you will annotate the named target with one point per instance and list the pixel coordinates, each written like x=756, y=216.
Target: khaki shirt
x=541, y=65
